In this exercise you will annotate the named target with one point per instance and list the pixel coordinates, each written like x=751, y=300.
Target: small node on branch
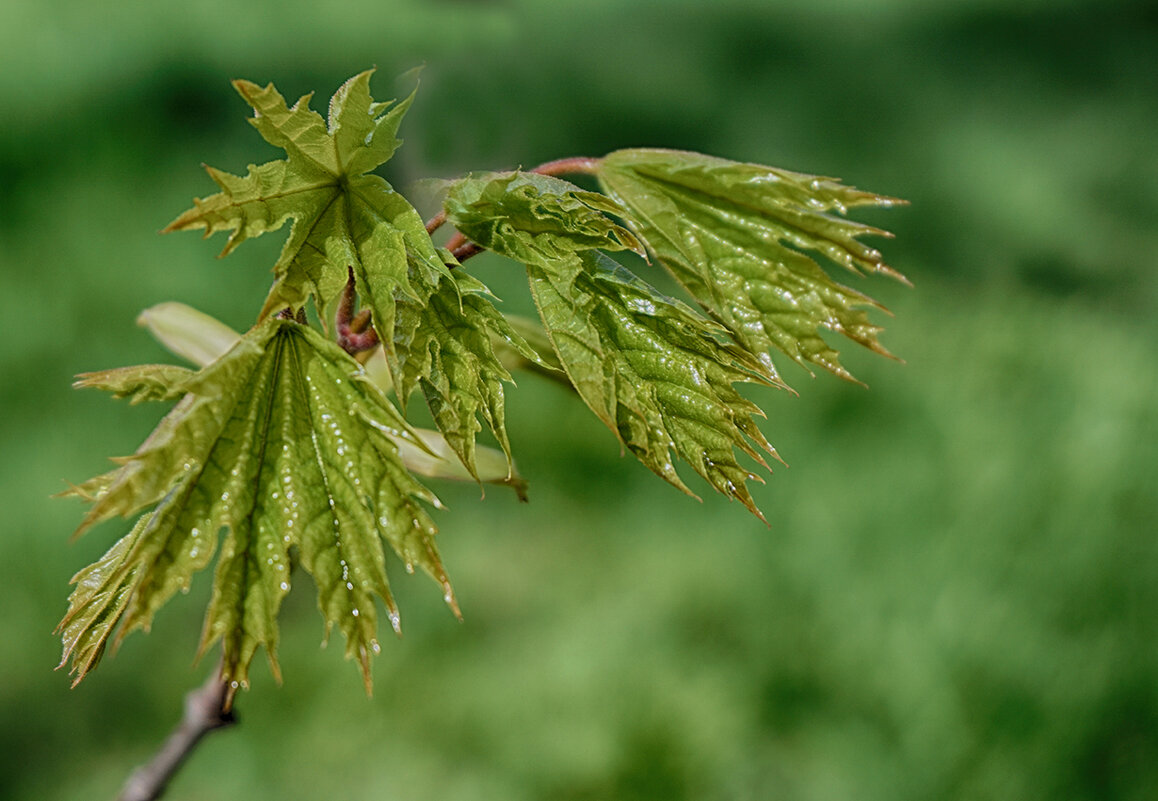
x=353, y=329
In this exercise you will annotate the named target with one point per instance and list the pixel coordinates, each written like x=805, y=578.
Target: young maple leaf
x=657, y=373
x=653, y=371
x=285, y=445
x=344, y=218
x=348, y=222
x=733, y=235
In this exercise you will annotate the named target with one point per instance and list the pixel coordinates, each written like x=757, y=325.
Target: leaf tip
x=365, y=667
x=449, y=597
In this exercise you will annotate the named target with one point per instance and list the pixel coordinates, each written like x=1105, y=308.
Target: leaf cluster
x=289, y=446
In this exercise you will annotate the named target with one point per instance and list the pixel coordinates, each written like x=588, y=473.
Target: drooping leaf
x=446, y=347
x=735, y=235
x=281, y=444
x=344, y=218
x=655, y=372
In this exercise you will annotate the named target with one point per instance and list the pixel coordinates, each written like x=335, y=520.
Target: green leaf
x=733, y=235
x=204, y=339
x=286, y=447
x=446, y=347
x=654, y=371
x=145, y=382
x=344, y=218
x=530, y=217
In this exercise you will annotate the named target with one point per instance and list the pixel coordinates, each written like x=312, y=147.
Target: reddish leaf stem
x=354, y=332
x=575, y=165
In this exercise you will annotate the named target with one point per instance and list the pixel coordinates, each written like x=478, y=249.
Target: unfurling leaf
x=285, y=450
x=530, y=217
x=654, y=371
x=733, y=235
x=344, y=219
x=187, y=332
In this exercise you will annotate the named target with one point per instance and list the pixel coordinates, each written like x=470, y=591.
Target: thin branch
x=435, y=222
x=466, y=250
x=206, y=709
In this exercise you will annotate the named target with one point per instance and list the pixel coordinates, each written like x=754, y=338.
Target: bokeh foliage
x=971, y=617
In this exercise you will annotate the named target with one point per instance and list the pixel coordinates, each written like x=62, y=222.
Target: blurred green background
x=956, y=596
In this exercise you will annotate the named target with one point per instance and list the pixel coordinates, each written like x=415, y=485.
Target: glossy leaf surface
x=204, y=339
x=736, y=236
x=280, y=444
x=344, y=218
x=530, y=217
x=655, y=372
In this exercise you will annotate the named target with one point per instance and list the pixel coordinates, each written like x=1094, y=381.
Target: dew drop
x=355, y=612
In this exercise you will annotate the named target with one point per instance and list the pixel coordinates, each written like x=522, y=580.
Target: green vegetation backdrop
x=956, y=598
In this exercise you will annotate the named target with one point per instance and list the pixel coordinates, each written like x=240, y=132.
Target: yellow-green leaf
x=281, y=446
x=139, y=383
x=655, y=372
x=530, y=217
x=446, y=348
x=735, y=235
x=344, y=218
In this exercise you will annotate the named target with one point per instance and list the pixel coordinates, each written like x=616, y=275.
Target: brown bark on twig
x=205, y=711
